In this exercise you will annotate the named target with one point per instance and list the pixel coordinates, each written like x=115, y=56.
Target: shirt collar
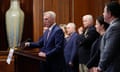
x=72, y=33
x=52, y=26
x=113, y=20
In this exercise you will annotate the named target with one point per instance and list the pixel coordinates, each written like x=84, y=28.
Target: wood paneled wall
x=73, y=10
x=62, y=9
x=66, y=10
x=83, y=7
x=37, y=19
x=4, y=5
x=27, y=7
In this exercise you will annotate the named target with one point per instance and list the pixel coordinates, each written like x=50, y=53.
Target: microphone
x=28, y=40
x=22, y=45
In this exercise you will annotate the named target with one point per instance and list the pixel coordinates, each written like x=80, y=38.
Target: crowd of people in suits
x=94, y=48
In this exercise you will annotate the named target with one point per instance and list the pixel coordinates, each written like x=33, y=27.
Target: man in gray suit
x=110, y=44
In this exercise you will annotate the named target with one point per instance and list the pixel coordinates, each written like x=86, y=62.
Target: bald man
x=70, y=50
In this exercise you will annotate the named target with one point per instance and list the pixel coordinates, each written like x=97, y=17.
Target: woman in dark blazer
x=101, y=27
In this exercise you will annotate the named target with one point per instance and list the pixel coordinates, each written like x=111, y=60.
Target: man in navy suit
x=51, y=44
x=70, y=50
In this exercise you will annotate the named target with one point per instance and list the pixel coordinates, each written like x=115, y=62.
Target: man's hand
x=99, y=69
x=42, y=54
x=70, y=64
x=27, y=44
x=95, y=69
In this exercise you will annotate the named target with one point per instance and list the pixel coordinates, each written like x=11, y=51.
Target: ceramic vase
x=14, y=24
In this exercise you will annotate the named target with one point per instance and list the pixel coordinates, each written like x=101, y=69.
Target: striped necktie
x=48, y=34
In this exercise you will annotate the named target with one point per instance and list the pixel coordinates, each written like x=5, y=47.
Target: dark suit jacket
x=54, y=48
x=85, y=42
x=70, y=53
x=94, y=54
x=110, y=48
x=70, y=50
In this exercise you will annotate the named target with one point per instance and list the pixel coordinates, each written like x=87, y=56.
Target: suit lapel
x=106, y=34
x=70, y=37
x=51, y=33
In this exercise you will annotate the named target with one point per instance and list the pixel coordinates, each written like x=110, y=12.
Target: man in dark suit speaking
x=51, y=44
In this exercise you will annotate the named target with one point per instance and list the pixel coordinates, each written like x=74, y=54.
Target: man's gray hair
x=72, y=25
x=51, y=13
x=88, y=16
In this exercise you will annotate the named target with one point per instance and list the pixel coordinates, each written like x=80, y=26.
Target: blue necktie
x=48, y=34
